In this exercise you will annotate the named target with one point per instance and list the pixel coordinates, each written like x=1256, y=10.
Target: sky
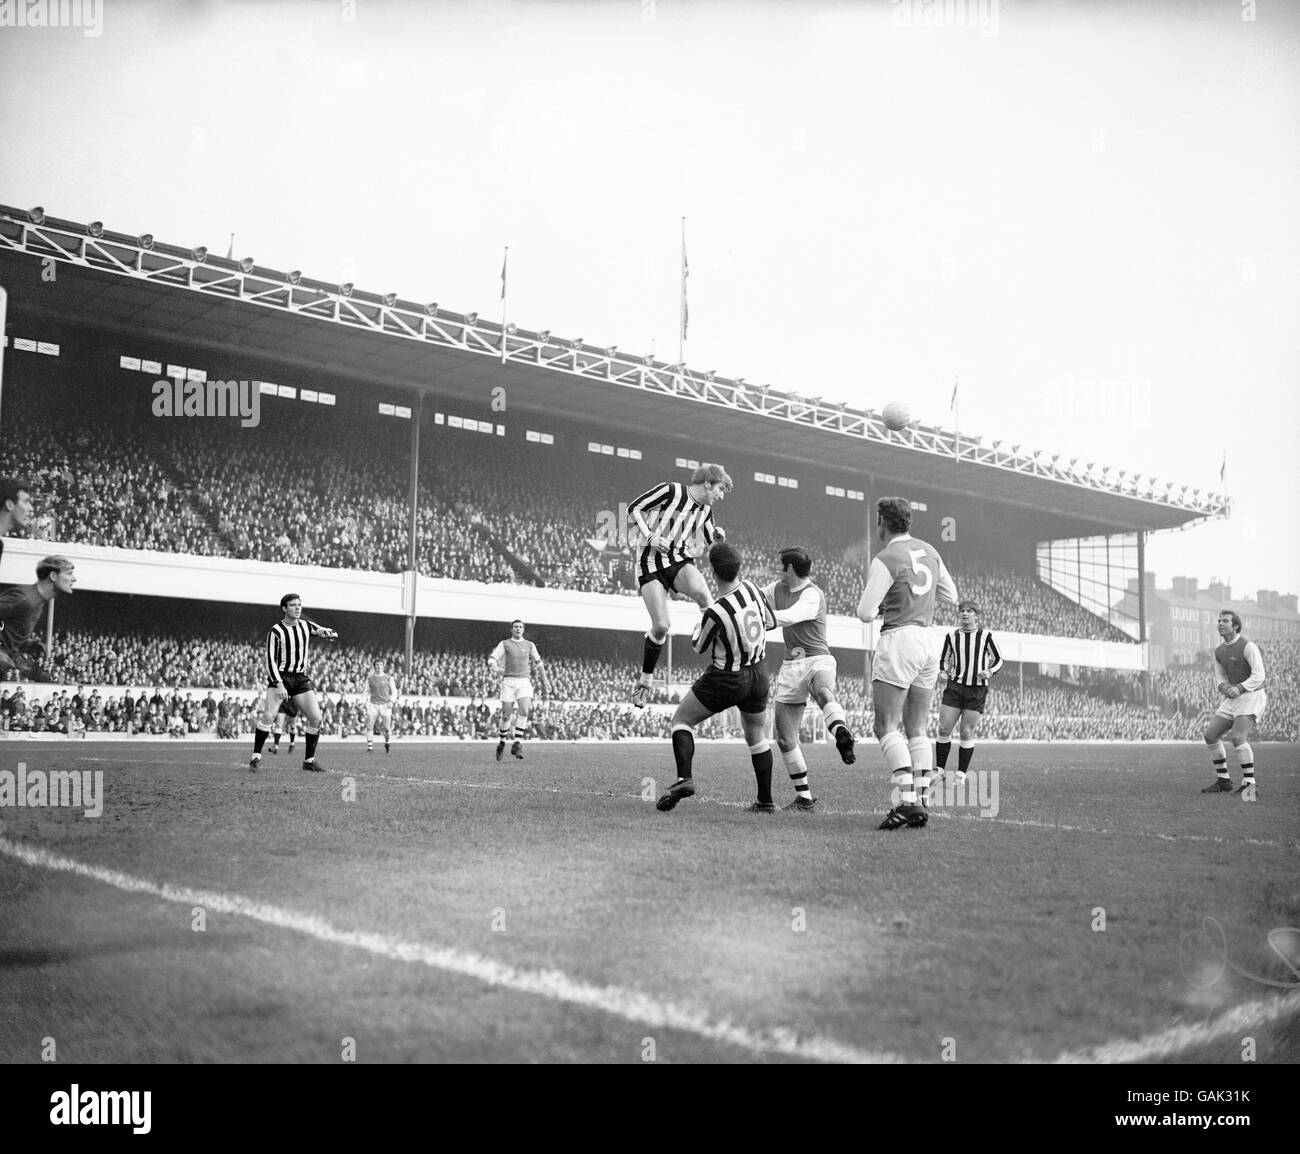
x=1083, y=214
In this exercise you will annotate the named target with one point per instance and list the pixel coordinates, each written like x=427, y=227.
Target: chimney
x=1192, y=583
x=1288, y=601
x=1218, y=591
x=1180, y=586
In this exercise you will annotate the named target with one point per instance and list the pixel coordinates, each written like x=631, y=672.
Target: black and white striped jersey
x=286, y=647
x=670, y=511
x=968, y=654
x=733, y=630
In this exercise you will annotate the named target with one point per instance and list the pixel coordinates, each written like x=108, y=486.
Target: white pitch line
x=631, y=1005
x=1247, y=1016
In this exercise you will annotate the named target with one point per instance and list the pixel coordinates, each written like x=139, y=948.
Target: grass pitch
x=434, y=905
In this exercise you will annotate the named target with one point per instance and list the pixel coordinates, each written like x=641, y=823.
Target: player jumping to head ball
x=670, y=518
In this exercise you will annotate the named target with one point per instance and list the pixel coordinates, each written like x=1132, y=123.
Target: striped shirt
x=733, y=630
x=967, y=654
x=286, y=647
x=670, y=511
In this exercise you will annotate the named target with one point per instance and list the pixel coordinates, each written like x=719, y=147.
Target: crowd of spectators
x=488, y=510
x=589, y=695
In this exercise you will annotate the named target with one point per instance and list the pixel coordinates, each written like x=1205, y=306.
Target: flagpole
x=956, y=423
x=681, y=331
x=1223, y=479
x=505, y=261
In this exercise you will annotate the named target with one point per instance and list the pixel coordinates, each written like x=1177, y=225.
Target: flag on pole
x=952, y=404
x=505, y=260
x=686, y=312
x=230, y=252
x=1223, y=469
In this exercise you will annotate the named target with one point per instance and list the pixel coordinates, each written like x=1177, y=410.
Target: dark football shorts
x=296, y=683
x=747, y=690
x=288, y=708
x=965, y=697
x=667, y=576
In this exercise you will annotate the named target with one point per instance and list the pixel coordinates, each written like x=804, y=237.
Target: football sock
x=941, y=749
x=1219, y=756
x=833, y=715
x=505, y=734
x=309, y=754
x=1246, y=756
x=761, y=756
x=683, y=749
x=894, y=746
x=650, y=657
x=965, y=752
x=259, y=738
x=521, y=731
x=796, y=767
x=919, y=748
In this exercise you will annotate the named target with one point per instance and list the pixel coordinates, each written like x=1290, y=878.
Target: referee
x=286, y=671
x=970, y=657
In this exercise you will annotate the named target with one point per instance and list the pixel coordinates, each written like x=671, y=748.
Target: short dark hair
x=1236, y=621
x=379, y=661
x=896, y=512
x=967, y=604
x=797, y=559
x=725, y=562
x=10, y=487
x=55, y=563
x=517, y=621
x=289, y=597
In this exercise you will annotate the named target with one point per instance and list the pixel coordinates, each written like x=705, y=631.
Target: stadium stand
x=490, y=509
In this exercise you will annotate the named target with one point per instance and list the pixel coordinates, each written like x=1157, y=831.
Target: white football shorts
x=382, y=713
x=794, y=681
x=907, y=656
x=515, y=688
x=1252, y=702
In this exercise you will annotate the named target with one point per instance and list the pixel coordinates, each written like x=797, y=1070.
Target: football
x=897, y=416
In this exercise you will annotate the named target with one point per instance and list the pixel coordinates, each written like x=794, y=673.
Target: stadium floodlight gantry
x=385, y=314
